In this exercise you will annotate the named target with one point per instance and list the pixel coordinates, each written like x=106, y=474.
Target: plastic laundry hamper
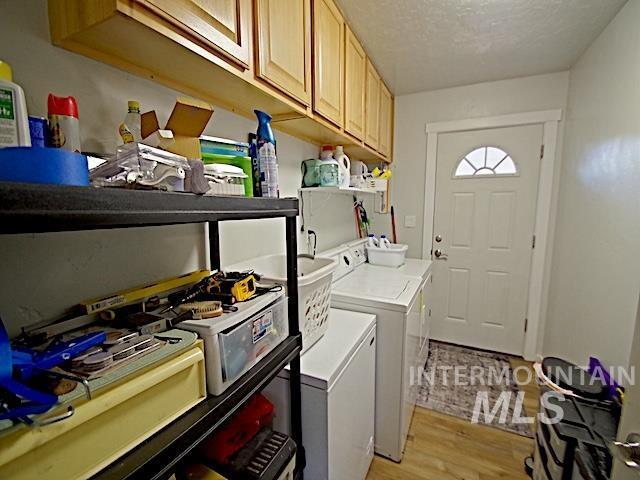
x=314, y=290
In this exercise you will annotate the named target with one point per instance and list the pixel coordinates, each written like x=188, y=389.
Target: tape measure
x=240, y=285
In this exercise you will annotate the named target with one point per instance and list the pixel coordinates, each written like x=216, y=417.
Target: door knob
x=438, y=238
x=439, y=255
x=628, y=452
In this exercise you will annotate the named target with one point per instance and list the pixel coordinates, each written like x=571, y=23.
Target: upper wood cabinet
x=328, y=49
x=284, y=46
x=386, y=121
x=223, y=24
x=355, y=60
x=372, y=107
x=296, y=59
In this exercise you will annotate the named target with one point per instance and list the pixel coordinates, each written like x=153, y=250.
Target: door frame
x=545, y=206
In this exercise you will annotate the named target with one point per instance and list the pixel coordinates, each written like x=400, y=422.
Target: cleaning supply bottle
x=130, y=129
x=255, y=165
x=267, y=159
x=384, y=242
x=64, y=126
x=345, y=167
x=329, y=168
x=14, y=121
x=372, y=241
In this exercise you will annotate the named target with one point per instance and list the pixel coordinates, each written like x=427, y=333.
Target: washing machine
x=396, y=301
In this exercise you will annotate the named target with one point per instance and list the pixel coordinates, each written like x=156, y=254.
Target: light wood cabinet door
x=223, y=24
x=384, y=143
x=328, y=50
x=284, y=46
x=355, y=60
x=372, y=107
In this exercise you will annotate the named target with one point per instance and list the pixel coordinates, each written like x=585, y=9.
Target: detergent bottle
x=384, y=242
x=14, y=122
x=372, y=241
x=344, y=165
x=266, y=154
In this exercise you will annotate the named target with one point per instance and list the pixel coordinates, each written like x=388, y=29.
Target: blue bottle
x=266, y=154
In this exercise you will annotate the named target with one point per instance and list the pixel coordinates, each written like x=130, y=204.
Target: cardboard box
x=187, y=121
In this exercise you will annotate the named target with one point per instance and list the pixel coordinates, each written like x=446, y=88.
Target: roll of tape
x=43, y=165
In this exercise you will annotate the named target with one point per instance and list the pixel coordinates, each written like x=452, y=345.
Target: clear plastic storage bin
x=244, y=345
x=235, y=342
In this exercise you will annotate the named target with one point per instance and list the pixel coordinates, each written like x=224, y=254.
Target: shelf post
x=214, y=245
x=295, y=394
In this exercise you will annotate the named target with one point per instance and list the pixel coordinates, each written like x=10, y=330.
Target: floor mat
x=459, y=381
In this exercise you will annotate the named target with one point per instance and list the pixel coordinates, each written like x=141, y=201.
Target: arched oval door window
x=486, y=161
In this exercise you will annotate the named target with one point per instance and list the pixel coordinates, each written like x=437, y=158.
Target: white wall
x=596, y=264
x=42, y=275
x=413, y=112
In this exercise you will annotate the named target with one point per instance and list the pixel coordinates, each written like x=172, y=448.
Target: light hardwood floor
x=442, y=447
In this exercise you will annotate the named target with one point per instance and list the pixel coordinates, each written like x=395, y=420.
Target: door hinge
x=541, y=151
x=533, y=242
x=429, y=312
x=526, y=324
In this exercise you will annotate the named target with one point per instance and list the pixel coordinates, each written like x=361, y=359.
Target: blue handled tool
x=21, y=364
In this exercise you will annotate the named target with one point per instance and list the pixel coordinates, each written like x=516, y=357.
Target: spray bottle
x=266, y=154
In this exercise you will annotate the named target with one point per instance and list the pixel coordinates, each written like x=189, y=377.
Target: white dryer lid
x=367, y=284
x=368, y=288
x=413, y=267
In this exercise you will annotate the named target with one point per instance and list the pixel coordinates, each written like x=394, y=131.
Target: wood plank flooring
x=442, y=447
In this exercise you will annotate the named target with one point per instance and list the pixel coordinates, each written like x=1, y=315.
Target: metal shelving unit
x=30, y=208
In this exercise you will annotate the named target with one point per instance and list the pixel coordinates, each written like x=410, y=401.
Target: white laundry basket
x=314, y=290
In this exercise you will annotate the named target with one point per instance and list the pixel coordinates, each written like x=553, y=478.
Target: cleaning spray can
x=64, y=126
x=266, y=152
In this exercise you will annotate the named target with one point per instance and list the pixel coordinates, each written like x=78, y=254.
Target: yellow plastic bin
x=109, y=425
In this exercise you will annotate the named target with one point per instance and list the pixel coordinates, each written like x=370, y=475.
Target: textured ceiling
x=428, y=44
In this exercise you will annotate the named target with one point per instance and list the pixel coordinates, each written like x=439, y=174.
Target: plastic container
x=130, y=129
x=344, y=165
x=310, y=170
x=14, y=121
x=64, y=126
x=43, y=165
x=384, y=242
x=152, y=167
x=329, y=168
x=314, y=289
x=235, y=342
x=244, y=345
x=237, y=161
x=38, y=129
x=372, y=241
x=266, y=155
x=225, y=179
x=394, y=256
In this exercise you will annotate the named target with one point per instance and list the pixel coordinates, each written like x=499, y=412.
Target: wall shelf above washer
x=337, y=190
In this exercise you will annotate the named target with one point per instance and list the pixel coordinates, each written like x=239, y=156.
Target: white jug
x=359, y=168
x=345, y=166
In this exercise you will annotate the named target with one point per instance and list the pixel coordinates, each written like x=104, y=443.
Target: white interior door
x=630, y=423
x=486, y=189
